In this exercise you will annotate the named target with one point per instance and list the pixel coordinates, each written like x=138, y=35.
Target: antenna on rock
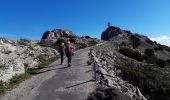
x=108, y=24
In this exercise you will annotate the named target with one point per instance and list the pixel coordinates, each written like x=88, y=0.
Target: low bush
x=158, y=48
x=149, y=52
x=167, y=49
x=107, y=94
x=80, y=46
x=126, y=52
x=2, y=87
x=91, y=97
x=161, y=63
x=43, y=64
x=135, y=40
x=150, y=59
x=150, y=80
x=99, y=95
x=137, y=56
x=168, y=61
x=92, y=43
x=59, y=41
x=131, y=54
x=73, y=40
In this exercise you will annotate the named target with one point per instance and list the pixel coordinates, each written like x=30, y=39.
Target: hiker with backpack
x=68, y=52
x=61, y=51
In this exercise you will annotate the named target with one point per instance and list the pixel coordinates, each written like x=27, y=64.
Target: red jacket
x=68, y=49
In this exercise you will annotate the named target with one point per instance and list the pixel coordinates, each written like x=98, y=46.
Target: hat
x=62, y=43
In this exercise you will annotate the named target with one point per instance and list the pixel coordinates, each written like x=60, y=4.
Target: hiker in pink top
x=68, y=52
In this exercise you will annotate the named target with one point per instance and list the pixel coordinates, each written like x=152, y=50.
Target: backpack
x=61, y=49
x=68, y=49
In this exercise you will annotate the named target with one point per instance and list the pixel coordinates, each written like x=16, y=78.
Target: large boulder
x=111, y=32
x=54, y=35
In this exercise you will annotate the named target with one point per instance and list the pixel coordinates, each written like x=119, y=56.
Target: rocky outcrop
x=54, y=35
x=104, y=59
x=110, y=32
x=16, y=55
x=129, y=70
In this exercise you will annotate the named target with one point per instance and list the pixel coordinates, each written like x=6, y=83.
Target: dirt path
x=57, y=82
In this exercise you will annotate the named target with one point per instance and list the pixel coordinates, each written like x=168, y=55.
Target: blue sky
x=30, y=18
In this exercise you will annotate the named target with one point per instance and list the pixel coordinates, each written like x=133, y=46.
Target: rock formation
x=133, y=70
x=16, y=55
x=110, y=32
x=54, y=35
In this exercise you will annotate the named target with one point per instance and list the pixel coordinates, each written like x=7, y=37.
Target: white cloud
x=162, y=40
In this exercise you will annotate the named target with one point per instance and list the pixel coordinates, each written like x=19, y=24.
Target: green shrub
x=151, y=59
x=2, y=87
x=92, y=43
x=73, y=39
x=43, y=64
x=149, y=52
x=80, y=46
x=167, y=49
x=60, y=40
x=18, y=78
x=99, y=95
x=149, y=79
x=168, y=61
x=161, y=63
x=107, y=94
x=137, y=56
x=126, y=51
x=91, y=97
x=158, y=48
x=135, y=40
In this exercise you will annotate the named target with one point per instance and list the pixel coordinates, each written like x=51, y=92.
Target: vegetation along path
x=57, y=82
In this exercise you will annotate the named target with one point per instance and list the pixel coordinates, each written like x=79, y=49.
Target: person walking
x=68, y=52
x=61, y=51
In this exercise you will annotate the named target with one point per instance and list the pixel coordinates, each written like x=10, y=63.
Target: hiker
x=68, y=52
x=61, y=51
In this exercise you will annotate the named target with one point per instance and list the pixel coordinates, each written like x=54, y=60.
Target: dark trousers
x=62, y=57
x=69, y=58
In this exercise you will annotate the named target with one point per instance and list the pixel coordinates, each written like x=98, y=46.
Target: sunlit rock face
x=16, y=55
x=54, y=35
x=110, y=32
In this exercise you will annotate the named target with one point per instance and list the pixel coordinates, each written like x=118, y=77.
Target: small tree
x=126, y=52
x=161, y=63
x=149, y=52
x=137, y=56
x=135, y=41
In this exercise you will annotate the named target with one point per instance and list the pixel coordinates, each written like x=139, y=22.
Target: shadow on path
x=51, y=70
x=80, y=84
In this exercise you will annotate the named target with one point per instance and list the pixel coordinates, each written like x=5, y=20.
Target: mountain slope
x=138, y=60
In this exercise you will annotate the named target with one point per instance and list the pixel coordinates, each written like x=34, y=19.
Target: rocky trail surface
x=57, y=82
